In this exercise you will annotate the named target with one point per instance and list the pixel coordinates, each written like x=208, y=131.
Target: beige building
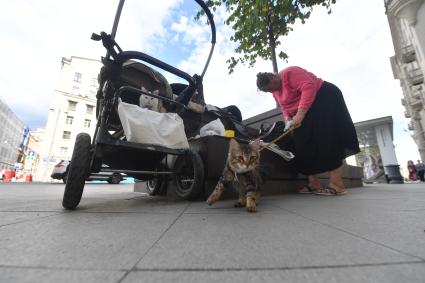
x=407, y=24
x=71, y=112
x=32, y=153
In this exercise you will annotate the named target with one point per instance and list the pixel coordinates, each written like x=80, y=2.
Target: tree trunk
x=272, y=42
x=274, y=60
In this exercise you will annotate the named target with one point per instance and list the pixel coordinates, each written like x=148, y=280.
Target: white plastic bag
x=215, y=127
x=150, y=127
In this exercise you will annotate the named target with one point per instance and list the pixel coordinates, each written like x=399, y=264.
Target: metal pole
x=117, y=19
x=136, y=172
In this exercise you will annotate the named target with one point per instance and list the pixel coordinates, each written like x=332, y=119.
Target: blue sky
x=350, y=47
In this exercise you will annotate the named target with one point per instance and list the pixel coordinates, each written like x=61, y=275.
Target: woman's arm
x=306, y=84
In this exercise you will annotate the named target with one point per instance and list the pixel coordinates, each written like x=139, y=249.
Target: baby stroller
x=124, y=77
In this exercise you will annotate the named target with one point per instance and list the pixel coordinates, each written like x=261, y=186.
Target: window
x=92, y=94
x=72, y=105
x=94, y=82
x=75, y=90
x=69, y=120
x=87, y=123
x=89, y=109
x=77, y=77
x=66, y=135
x=63, y=151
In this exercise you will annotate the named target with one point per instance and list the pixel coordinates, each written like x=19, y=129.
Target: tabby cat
x=241, y=172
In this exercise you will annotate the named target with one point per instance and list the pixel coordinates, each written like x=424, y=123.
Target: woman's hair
x=263, y=79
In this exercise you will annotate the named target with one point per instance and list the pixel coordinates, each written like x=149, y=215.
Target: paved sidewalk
x=373, y=234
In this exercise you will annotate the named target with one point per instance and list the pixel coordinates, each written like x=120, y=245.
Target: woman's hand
x=298, y=118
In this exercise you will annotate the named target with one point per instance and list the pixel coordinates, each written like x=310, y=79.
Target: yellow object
x=279, y=137
x=229, y=133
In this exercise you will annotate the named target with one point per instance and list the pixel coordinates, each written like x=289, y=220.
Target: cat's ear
x=255, y=144
x=233, y=144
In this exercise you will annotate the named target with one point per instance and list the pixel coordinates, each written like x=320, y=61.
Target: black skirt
x=327, y=134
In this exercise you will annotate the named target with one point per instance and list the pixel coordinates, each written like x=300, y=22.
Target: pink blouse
x=299, y=88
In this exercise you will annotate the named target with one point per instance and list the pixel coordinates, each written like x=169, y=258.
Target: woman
x=325, y=135
x=413, y=174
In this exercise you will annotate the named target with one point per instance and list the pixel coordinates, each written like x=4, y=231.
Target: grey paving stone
x=9, y=218
x=274, y=240
x=373, y=234
x=227, y=206
x=136, y=203
x=412, y=273
x=82, y=240
x=48, y=197
x=21, y=275
x=394, y=218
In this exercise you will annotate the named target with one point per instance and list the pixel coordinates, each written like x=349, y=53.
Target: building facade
x=11, y=134
x=72, y=111
x=406, y=19
x=32, y=150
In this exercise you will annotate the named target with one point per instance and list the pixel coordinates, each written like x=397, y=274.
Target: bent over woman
x=325, y=135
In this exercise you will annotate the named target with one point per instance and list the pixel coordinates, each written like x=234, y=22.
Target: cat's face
x=243, y=157
x=148, y=102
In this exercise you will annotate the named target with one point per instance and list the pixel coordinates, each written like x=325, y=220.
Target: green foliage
x=259, y=25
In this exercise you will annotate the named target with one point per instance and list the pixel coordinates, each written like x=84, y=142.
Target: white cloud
x=196, y=32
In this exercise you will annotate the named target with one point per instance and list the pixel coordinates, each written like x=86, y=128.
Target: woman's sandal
x=328, y=191
x=306, y=189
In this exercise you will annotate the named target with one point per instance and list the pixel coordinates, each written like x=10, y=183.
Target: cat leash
x=281, y=136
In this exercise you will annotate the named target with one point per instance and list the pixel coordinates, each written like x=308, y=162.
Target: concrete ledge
x=352, y=177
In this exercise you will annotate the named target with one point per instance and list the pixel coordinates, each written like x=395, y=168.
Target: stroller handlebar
x=121, y=56
x=210, y=19
x=128, y=55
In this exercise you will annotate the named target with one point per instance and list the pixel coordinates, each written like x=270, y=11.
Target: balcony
x=407, y=114
x=415, y=76
x=416, y=91
x=408, y=54
x=406, y=9
x=419, y=87
x=410, y=127
x=415, y=103
x=403, y=102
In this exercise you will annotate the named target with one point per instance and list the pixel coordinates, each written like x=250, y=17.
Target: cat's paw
x=211, y=200
x=216, y=194
x=251, y=208
x=250, y=201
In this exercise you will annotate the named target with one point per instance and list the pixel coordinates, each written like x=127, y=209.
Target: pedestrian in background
x=420, y=168
x=411, y=168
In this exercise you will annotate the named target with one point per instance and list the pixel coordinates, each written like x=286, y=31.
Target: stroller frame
x=149, y=162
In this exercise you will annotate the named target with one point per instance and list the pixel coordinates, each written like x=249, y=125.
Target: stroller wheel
x=77, y=172
x=189, y=175
x=114, y=179
x=157, y=186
